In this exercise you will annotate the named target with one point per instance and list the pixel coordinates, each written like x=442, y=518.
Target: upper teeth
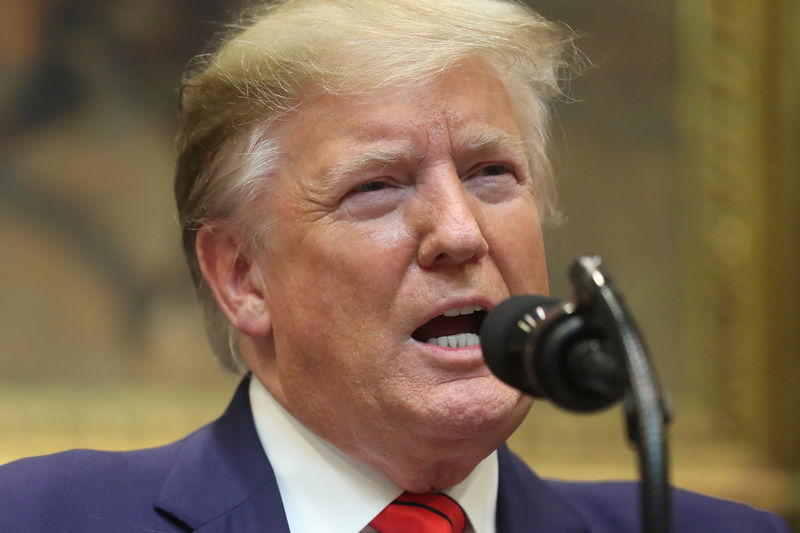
x=468, y=310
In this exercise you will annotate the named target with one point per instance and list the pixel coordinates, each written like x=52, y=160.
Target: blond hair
x=285, y=51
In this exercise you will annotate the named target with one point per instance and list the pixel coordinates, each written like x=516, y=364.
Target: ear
x=234, y=277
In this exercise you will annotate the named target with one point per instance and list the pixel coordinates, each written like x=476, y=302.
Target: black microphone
x=583, y=357
x=550, y=349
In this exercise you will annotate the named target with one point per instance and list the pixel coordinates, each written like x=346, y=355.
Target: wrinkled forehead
x=461, y=112
x=468, y=101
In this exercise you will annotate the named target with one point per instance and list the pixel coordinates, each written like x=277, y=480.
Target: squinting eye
x=373, y=199
x=494, y=170
x=371, y=186
x=493, y=183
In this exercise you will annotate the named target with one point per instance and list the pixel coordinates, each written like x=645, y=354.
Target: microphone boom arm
x=646, y=411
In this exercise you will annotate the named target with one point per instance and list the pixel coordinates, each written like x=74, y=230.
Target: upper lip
x=454, y=303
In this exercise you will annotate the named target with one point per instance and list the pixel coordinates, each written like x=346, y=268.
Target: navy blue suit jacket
x=218, y=479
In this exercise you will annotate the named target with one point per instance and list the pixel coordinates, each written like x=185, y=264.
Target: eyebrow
x=491, y=139
x=481, y=140
x=374, y=158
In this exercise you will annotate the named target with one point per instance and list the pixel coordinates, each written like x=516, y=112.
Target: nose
x=451, y=231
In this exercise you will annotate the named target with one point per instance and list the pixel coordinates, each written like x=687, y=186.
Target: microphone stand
x=647, y=415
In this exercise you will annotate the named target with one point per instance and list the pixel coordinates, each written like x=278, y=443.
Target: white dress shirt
x=326, y=491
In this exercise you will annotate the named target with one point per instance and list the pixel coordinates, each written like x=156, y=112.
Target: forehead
x=464, y=104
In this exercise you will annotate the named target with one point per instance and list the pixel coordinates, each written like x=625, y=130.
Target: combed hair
x=282, y=53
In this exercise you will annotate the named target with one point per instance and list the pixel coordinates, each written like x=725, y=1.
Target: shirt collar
x=324, y=489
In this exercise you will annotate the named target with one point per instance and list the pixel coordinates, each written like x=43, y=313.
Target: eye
x=493, y=170
x=493, y=182
x=370, y=186
x=373, y=199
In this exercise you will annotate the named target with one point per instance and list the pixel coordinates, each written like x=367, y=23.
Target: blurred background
x=677, y=159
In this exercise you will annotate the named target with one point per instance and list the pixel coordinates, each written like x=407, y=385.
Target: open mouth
x=455, y=328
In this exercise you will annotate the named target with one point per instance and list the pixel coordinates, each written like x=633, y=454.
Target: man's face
x=395, y=209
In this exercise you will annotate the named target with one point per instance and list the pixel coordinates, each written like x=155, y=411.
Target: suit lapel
x=222, y=480
x=525, y=503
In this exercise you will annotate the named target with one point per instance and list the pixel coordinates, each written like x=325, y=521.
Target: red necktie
x=421, y=513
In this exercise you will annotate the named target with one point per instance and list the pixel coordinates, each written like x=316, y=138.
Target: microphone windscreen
x=499, y=336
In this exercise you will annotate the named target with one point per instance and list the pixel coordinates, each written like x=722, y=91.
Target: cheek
x=516, y=245
x=366, y=259
x=346, y=278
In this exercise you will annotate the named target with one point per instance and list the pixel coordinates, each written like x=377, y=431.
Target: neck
x=417, y=476
x=414, y=461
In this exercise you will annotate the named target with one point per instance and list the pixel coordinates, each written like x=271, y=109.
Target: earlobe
x=235, y=279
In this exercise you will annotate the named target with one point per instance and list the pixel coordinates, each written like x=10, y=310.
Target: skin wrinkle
x=342, y=176
x=442, y=470
x=376, y=158
x=496, y=141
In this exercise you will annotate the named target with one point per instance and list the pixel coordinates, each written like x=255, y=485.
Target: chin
x=465, y=411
